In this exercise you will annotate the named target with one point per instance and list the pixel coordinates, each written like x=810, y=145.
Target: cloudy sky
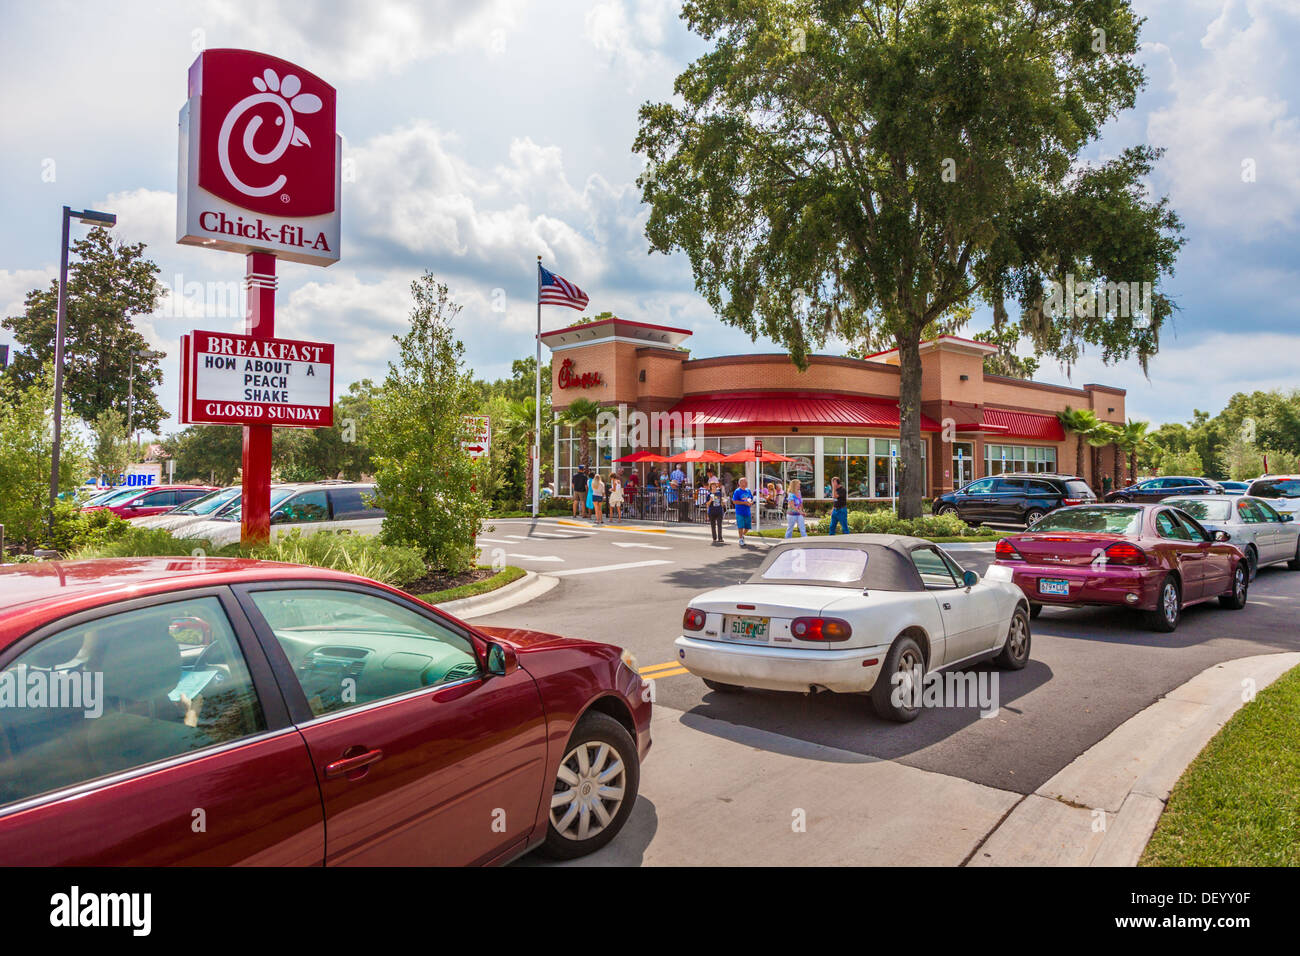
x=480, y=134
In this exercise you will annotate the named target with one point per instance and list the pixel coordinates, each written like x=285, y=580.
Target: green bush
x=135, y=542
x=365, y=555
x=73, y=529
x=885, y=521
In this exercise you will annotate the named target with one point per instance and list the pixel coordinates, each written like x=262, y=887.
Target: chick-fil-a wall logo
x=267, y=132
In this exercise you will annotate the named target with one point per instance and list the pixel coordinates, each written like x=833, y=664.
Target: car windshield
x=1097, y=520
x=120, y=494
x=235, y=511
x=208, y=503
x=1276, y=488
x=1202, y=510
x=833, y=565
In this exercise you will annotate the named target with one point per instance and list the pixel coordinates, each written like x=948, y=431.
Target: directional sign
x=481, y=443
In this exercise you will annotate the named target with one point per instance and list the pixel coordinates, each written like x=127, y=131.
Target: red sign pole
x=259, y=322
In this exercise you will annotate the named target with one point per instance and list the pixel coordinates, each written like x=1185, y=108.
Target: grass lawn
x=499, y=580
x=1238, y=803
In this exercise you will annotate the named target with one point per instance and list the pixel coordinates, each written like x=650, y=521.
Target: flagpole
x=537, y=399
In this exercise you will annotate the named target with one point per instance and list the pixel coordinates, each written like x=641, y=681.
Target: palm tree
x=1133, y=438
x=518, y=431
x=1080, y=422
x=581, y=414
x=1104, y=434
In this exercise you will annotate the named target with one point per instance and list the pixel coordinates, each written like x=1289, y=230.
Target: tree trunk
x=585, y=457
x=1078, y=458
x=1132, y=466
x=909, y=409
x=1119, y=465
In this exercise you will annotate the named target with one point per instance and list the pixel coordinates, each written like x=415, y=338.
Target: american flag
x=555, y=290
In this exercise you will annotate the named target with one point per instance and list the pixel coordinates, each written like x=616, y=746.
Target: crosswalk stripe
x=609, y=567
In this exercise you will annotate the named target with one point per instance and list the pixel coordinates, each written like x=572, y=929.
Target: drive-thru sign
x=259, y=174
x=481, y=443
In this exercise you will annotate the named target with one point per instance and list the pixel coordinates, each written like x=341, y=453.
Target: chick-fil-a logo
x=568, y=378
x=267, y=138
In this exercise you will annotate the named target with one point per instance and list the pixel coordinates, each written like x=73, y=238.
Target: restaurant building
x=839, y=416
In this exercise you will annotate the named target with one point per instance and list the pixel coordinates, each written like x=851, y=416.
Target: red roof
x=1025, y=424
x=785, y=409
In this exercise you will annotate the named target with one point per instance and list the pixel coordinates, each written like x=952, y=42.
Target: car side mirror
x=278, y=518
x=970, y=579
x=501, y=660
x=1221, y=536
x=1287, y=516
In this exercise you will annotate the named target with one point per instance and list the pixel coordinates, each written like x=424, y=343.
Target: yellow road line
x=672, y=673
x=659, y=667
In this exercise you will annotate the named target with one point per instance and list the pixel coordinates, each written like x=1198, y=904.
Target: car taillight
x=693, y=620
x=1124, y=553
x=820, y=629
x=1006, y=550
x=1071, y=501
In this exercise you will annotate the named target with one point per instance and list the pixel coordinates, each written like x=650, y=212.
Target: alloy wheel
x=1018, y=639
x=589, y=790
x=1169, y=601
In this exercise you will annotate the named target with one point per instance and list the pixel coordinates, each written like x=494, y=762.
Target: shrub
x=365, y=555
x=884, y=521
x=73, y=529
x=135, y=542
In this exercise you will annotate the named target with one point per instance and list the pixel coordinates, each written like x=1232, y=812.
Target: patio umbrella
x=698, y=454
x=634, y=457
x=747, y=455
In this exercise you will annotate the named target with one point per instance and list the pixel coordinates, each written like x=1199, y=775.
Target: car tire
x=905, y=654
x=1015, y=652
x=1033, y=516
x=722, y=688
x=1252, y=562
x=1035, y=609
x=1294, y=563
x=944, y=510
x=594, y=731
x=1168, y=612
x=1119, y=499
x=1235, y=599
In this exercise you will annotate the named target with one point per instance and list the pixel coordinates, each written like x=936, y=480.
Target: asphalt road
x=1090, y=669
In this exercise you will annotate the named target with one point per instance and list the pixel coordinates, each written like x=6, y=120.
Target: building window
x=999, y=459
x=887, y=466
x=963, y=463
x=849, y=459
x=568, y=441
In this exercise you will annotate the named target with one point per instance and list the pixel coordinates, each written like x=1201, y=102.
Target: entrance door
x=963, y=464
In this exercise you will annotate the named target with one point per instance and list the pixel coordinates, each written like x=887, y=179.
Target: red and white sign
x=260, y=159
x=481, y=442
x=231, y=379
x=568, y=378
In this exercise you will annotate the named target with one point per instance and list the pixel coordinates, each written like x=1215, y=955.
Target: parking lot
x=1090, y=671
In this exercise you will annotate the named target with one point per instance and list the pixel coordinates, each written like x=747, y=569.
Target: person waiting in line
x=794, y=509
x=591, y=503
x=597, y=487
x=678, y=476
x=743, y=500
x=615, y=497
x=631, y=489
x=579, y=491
x=717, y=509
x=840, y=509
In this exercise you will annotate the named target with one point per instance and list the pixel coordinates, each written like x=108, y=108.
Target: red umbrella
x=634, y=457
x=768, y=457
x=650, y=456
x=698, y=454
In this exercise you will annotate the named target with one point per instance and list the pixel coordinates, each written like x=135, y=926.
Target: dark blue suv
x=1013, y=498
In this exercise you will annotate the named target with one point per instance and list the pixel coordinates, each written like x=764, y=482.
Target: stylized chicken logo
x=284, y=94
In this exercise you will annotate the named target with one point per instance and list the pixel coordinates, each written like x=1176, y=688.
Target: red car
x=151, y=500
x=162, y=711
x=1149, y=557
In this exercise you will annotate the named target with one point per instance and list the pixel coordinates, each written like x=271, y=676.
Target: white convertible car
x=846, y=613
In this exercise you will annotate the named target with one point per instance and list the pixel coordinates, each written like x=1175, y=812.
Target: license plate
x=747, y=628
x=1053, y=586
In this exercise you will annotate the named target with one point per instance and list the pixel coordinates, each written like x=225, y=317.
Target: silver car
x=1281, y=491
x=1253, y=524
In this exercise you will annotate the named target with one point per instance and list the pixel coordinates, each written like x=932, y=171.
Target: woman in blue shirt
x=794, y=509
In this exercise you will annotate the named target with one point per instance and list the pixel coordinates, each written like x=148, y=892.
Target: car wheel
x=1235, y=599
x=904, y=658
x=1294, y=563
x=1169, y=606
x=722, y=688
x=1035, y=609
x=1252, y=562
x=594, y=788
x=1015, y=652
x=1033, y=516
x=1120, y=499
x=944, y=510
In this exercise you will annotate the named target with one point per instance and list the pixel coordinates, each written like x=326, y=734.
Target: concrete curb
x=1102, y=808
x=532, y=585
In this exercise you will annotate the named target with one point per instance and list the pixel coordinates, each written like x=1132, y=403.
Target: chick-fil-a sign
x=568, y=378
x=260, y=158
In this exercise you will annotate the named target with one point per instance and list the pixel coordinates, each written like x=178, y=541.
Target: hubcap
x=588, y=790
x=1171, y=602
x=1239, y=584
x=1018, y=639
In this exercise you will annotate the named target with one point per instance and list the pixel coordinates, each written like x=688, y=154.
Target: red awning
x=757, y=410
x=1024, y=424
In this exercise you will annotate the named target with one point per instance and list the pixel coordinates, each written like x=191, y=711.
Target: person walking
x=743, y=500
x=579, y=491
x=598, y=496
x=794, y=509
x=840, y=509
x=717, y=509
x=615, y=497
x=591, y=503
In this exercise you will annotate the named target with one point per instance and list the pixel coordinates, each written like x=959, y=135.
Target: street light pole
x=91, y=218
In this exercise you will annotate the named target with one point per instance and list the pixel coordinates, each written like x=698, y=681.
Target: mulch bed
x=441, y=581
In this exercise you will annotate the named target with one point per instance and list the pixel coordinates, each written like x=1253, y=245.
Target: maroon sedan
x=175, y=711
x=1150, y=557
x=151, y=500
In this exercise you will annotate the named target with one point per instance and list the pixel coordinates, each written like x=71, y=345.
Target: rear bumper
x=1114, y=585
x=782, y=668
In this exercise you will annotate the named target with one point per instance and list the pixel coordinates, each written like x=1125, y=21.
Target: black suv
x=1014, y=498
x=1156, y=489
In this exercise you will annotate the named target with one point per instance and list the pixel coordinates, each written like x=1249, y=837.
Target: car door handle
x=347, y=765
